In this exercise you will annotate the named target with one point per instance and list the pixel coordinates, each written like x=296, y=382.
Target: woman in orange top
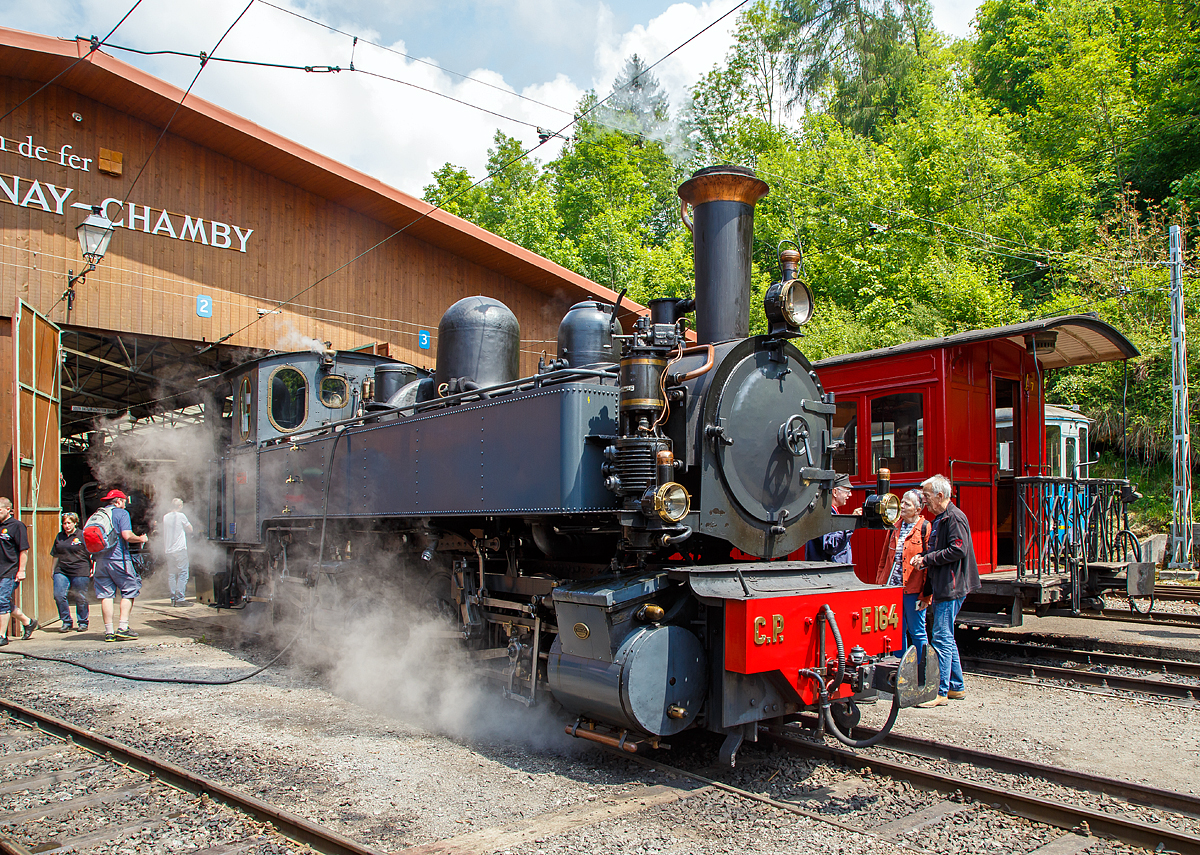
x=895, y=567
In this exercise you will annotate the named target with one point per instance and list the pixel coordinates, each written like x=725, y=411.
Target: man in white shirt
x=175, y=529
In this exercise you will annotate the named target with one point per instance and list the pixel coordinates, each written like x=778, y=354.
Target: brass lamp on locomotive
x=587, y=523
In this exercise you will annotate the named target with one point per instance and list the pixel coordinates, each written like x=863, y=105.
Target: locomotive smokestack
x=722, y=224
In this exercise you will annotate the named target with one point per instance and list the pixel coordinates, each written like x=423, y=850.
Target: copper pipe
x=676, y=379
x=602, y=738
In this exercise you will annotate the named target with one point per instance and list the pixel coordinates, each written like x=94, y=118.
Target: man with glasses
x=951, y=574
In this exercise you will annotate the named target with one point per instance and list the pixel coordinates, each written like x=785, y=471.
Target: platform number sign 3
x=423, y=339
x=204, y=305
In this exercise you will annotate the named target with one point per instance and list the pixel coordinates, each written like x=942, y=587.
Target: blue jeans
x=914, y=625
x=177, y=574
x=67, y=590
x=7, y=587
x=944, y=613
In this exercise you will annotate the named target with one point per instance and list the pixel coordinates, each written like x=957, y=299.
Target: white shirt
x=174, y=532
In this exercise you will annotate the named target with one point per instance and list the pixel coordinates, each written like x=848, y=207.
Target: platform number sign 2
x=204, y=305
x=423, y=339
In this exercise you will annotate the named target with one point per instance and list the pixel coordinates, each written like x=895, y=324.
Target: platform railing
x=1066, y=524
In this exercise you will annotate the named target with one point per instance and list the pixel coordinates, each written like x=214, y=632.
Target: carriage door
x=971, y=447
x=1009, y=421
x=35, y=444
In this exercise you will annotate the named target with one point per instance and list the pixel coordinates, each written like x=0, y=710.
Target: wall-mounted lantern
x=94, y=233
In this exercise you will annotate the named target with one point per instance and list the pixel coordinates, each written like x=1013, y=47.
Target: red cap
x=114, y=494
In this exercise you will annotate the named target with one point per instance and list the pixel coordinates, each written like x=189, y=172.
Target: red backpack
x=99, y=533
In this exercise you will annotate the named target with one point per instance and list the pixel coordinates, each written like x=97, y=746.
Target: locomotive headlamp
x=789, y=302
x=889, y=508
x=796, y=302
x=672, y=502
x=882, y=508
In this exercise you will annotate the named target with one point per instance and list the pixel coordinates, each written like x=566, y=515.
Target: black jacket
x=73, y=558
x=950, y=557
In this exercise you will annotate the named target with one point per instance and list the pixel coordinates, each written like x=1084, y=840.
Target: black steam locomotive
x=591, y=526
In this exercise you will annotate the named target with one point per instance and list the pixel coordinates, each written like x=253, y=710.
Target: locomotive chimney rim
x=723, y=184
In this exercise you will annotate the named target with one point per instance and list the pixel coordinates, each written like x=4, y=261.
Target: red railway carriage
x=930, y=407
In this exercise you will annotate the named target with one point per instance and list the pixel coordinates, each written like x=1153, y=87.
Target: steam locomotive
x=613, y=532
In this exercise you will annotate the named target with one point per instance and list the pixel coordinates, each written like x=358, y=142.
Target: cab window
x=287, y=402
x=845, y=428
x=1071, y=459
x=243, y=408
x=1054, y=450
x=334, y=392
x=897, y=432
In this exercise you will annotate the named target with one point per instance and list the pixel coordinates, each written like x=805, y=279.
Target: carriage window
x=1071, y=459
x=897, y=432
x=1054, y=451
x=845, y=428
x=334, y=392
x=243, y=407
x=288, y=403
x=1004, y=450
x=1083, y=445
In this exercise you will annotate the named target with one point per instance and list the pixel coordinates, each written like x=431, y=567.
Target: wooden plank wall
x=148, y=283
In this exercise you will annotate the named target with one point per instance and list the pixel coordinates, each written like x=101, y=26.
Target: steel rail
x=1152, y=836
x=1158, y=618
x=288, y=824
x=1087, y=657
x=1162, y=688
x=1189, y=593
x=1138, y=794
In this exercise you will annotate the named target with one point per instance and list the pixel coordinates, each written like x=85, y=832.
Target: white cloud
x=394, y=132
x=681, y=70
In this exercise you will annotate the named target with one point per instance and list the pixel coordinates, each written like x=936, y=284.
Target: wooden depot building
x=227, y=221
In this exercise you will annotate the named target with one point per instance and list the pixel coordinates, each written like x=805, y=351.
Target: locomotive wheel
x=436, y=597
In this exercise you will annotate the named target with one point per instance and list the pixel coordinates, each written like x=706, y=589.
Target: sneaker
x=66, y=627
x=81, y=628
x=29, y=628
x=956, y=696
x=125, y=634
x=3, y=640
x=110, y=636
x=939, y=701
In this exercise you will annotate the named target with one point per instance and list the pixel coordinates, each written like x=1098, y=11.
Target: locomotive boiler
x=612, y=533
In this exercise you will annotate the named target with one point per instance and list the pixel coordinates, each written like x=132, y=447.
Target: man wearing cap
x=115, y=572
x=834, y=546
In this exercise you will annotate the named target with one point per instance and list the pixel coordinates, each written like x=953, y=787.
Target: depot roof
x=1077, y=340
x=109, y=81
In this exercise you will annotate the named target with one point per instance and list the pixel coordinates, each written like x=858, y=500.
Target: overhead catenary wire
x=891, y=211
x=96, y=44
x=525, y=153
x=162, y=134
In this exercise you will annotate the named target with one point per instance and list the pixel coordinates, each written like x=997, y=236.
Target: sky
x=520, y=64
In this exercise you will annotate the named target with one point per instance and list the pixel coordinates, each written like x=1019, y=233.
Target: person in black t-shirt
x=71, y=573
x=14, y=552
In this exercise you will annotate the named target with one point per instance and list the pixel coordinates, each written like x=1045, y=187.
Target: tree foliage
x=934, y=185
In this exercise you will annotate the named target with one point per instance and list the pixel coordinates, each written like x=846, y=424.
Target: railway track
x=1187, y=593
x=1136, y=831
x=1186, y=686
x=1144, y=685
x=1156, y=618
x=162, y=801
x=1087, y=658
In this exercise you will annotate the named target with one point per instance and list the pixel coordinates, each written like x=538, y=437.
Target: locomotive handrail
x=561, y=375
